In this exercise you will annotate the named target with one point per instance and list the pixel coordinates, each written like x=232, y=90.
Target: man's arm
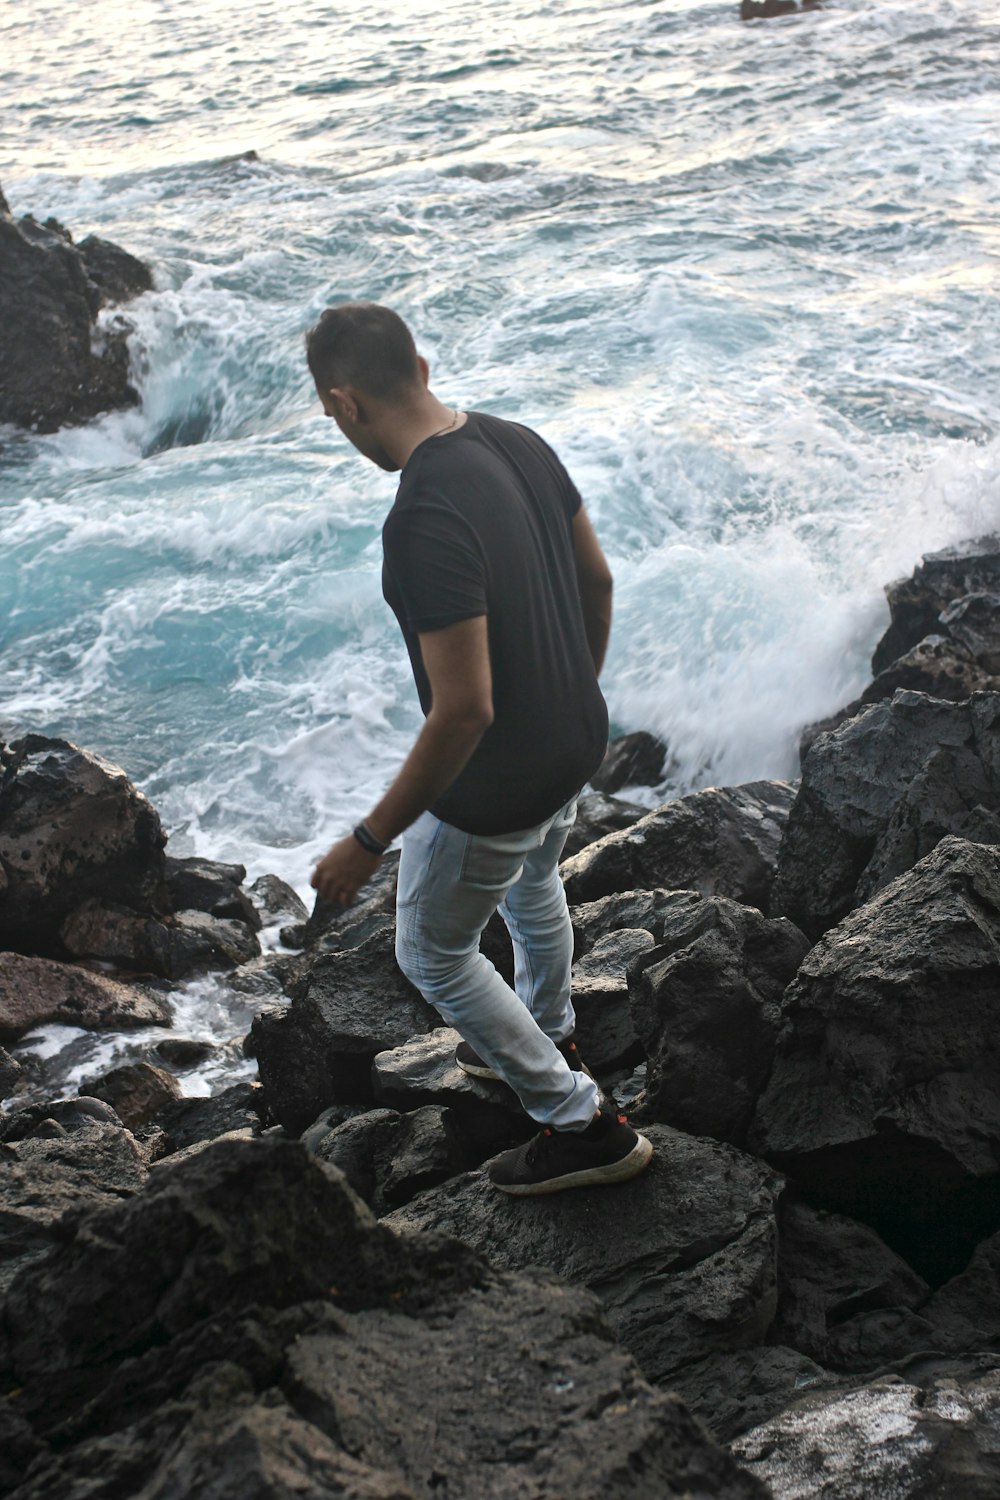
x=457, y=662
x=593, y=577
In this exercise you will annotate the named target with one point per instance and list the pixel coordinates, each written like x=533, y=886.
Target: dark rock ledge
x=795, y=989
x=54, y=370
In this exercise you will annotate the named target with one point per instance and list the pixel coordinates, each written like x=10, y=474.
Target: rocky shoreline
x=305, y=1284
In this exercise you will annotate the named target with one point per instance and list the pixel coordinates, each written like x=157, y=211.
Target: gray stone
x=721, y=841
x=645, y=910
x=965, y=1313
x=205, y=885
x=632, y=760
x=706, y=1007
x=40, y=991
x=605, y=1031
x=731, y=1393
x=916, y=603
x=346, y=1009
x=973, y=623
x=683, y=1257
x=187, y=1122
x=597, y=816
x=72, y=826
x=388, y=1158
x=136, y=1091
x=276, y=901
x=10, y=1071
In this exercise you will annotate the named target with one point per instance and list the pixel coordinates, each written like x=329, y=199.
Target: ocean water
x=743, y=276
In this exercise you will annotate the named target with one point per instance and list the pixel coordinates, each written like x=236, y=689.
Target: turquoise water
x=743, y=276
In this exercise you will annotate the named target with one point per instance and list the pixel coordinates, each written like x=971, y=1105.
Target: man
x=503, y=597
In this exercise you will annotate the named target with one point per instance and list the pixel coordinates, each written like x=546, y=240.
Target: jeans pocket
x=493, y=864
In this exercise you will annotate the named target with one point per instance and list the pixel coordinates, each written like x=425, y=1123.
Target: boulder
x=892, y=1436
x=936, y=666
x=346, y=1009
x=72, y=1114
x=706, y=1004
x=731, y=1393
x=276, y=901
x=632, y=760
x=964, y=1313
x=54, y=369
x=136, y=1091
x=39, y=992
x=633, y=910
x=10, y=1071
x=423, y=1071
x=844, y=1298
x=205, y=885
x=694, y=1271
x=179, y=945
x=49, y=1176
x=973, y=624
x=389, y=1158
x=327, y=922
x=72, y=826
x=878, y=793
x=916, y=603
x=722, y=841
x=884, y=1098
x=596, y=816
x=605, y=1031
x=245, y=1327
x=189, y=1122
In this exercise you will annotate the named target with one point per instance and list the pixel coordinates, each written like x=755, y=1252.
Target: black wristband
x=368, y=841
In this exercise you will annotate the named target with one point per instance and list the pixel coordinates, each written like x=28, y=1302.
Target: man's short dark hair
x=363, y=345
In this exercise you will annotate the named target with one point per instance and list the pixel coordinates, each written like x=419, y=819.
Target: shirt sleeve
x=436, y=565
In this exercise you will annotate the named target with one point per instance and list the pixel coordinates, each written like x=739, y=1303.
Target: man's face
x=357, y=433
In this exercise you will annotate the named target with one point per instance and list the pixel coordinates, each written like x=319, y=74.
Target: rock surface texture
x=245, y=1327
x=39, y=991
x=55, y=367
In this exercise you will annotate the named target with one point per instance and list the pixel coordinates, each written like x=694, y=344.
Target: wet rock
x=72, y=826
x=182, y=1345
x=53, y=368
x=973, y=624
x=346, y=1009
x=172, y=948
x=731, y=1393
x=47, y=1178
x=605, y=1031
x=844, y=1298
x=276, y=901
x=936, y=666
x=183, y=1051
x=423, y=1071
x=10, y=1072
x=597, y=816
x=884, y=1098
x=389, y=1158
x=878, y=794
x=888, y=1437
x=80, y=1113
x=694, y=1272
x=205, y=885
x=632, y=760
x=136, y=1091
x=199, y=941
x=40, y=991
x=722, y=841
x=765, y=10
x=189, y=1122
x=706, y=1005
x=327, y=922
x=916, y=603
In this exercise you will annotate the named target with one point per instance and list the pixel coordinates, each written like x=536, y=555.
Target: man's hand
x=342, y=872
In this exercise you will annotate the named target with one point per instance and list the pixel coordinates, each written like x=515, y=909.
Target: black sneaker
x=609, y=1150
x=470, y=1062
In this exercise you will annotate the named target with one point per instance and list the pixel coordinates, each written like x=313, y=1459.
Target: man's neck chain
x=453, y=423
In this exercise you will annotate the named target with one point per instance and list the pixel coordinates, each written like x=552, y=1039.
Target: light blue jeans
x=450, y=884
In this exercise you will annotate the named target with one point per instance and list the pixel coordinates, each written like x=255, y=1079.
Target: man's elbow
x=468, y=720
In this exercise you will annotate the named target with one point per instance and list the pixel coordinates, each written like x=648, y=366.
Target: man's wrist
x=368, y=840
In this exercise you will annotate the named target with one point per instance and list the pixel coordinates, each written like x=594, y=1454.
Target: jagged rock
x=10, y=1072
x=388, y=1158
x=264, y=977
x=731, y=1393
x=136, y=1091
x=605, y=1031
x=72, y=826
x=645, y=910
x=722, y=841
x=199, y=941
x=180, y=945
x=706, y=1007
x=245, y=1327
x=189, y=1122
x=888, y=1437
x=183, y=1051
x=276, y=901
x=347, y=1008
x=40, y=991
x=424, y=1071
x=46, y=1177
x=973, y=623
x=205, y=885
x=327, y=922
x=596, y=816
x=936, y=666
x=632, y=760
x=878, y=793
x=884, y=1098
x=844, y=1298
x=964, y=1314
x=916, y=603
x=53, y=370
x=683, y=1257
x=80, y=1113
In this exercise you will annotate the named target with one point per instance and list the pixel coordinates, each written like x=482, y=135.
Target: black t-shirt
x=482, y=525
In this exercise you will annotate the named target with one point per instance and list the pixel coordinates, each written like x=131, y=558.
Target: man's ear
x=344, y=401
x=424, y=368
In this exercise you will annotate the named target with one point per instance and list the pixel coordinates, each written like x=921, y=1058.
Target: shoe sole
x=481, y=1070
x=630, y=1166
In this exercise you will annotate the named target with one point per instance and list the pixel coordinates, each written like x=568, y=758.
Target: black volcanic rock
x=721, y=841
x=632, y=760
x=53, y=370
x=916, y=603
x=884, y=1098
